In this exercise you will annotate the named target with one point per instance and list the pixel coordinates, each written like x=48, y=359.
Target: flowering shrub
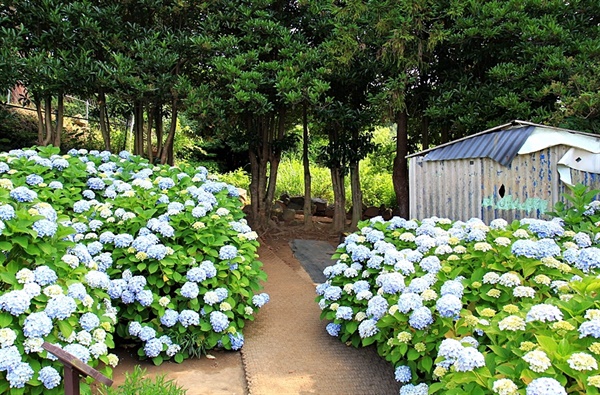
x=462, y=307
x=95, y=244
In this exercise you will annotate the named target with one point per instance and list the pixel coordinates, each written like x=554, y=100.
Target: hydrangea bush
x=94, y=244
x=463, y=307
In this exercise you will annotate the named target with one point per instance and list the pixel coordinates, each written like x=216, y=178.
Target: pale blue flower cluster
x=261, y=299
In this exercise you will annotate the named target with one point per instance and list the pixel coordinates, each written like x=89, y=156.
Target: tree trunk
x=48, y=121
x=167, y=151
x=40, y=118
x=400, y=172
x=356, y=195
x=149, y=133
x=158, y=116
x=339, y=200
x=307, y=209
x=445, y=133
x=138, y=128
x=274, y=155
x=60, y=112
x=103, y=118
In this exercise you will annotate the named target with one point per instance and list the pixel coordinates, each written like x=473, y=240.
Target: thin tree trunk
x=103, y=118
x=40, y=118
x=400, y=172
x=167, y=151
x=159, y=128
x=60, y=111
x=138, y=129
x=308, y=222
x=339, y=200
x=357, y=200
x=254, y=175
x=48, y=123
x=149, y=133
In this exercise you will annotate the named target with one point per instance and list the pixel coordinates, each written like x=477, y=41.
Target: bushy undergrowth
x=466, y=308
x=96, y=244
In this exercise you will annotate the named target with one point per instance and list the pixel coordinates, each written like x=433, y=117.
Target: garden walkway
x=288, y=351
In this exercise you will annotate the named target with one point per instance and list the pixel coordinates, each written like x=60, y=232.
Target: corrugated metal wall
x=464, y=188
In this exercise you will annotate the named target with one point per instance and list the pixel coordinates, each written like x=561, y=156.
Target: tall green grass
x=376, y=184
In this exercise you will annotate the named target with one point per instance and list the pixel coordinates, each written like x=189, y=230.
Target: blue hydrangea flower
x=88, y=194
x=7, y=212
x=61, y=307
x=449, y=306
x=344, y=313
x=403, y=374
x=136, y=283
x=360, y=253
x=391, y=283
x=89, y=321
x=44, y=228
x=410, y=389
x=431, y=264
x=199, y=211
x=409, y=301
x=104, y=261
x=260, y=300
x=360, y=285
x=153, y=348
x=367, y=328
x=588, y=259
x=9, y=358
x=60, y=164
x=81, y=206
x=236, y=340
x=190, y=290
x=106, y=237
x=542, y=228
x=166, y=230
x=333, y=329
x=227, y=252
x=218, y=321
x=20, y=374
x=134, y=328
x=420, y=318
x=96, y=183
x=4, y=167
x=77, y=291
x=333, y=293
x=15, y=302
x=377, y=307
x=145, y=297
x=453, y=287
x=78, y=351
x=222, y=293
x=468, y=359
x=97, y=279
x=544, y=313
x=49, y=377
x=44, y=275
x=55, y=185
x=37, y=325
x=34, y=179
x=170, y=318
x=123, y=240
x=189, y=317
x=147, y=333
x=545, y=386
x=157, y=251
x=127, y=296
x=590, y=328
x=94, y=247
x=196, y=274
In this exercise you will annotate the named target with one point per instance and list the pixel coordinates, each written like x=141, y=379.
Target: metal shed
x=512, y=171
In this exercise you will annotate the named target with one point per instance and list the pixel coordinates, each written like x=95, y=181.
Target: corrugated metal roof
x=501, y=146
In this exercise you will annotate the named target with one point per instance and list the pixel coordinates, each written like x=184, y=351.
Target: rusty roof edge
x=496, y=128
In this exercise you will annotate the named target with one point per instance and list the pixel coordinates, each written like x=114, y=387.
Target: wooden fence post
x=74, y=367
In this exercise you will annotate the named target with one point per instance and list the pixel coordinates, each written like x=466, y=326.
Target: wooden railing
x=74, y=368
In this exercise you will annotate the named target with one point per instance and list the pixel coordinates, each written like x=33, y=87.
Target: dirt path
x=288, y=350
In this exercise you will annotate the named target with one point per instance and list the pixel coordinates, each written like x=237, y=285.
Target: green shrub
x=136, y=384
